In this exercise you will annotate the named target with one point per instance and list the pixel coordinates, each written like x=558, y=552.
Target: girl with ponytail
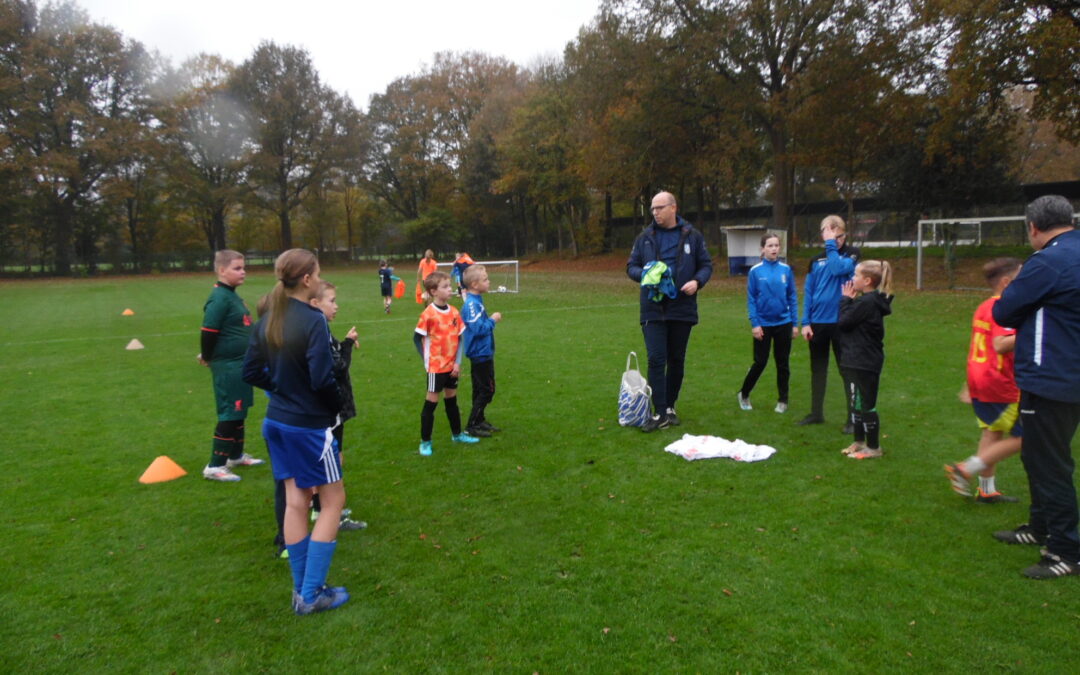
x=862, y=350
x=289, y=356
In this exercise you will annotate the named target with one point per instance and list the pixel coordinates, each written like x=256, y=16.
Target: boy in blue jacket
x=480, y=348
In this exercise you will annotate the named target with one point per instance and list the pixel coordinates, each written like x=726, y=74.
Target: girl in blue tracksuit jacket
x=774, y=316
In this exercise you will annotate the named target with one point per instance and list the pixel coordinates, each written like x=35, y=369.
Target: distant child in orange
x=438, y=340
x=427, y=266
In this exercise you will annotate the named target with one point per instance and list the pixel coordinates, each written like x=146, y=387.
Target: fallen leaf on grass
x=726, y=592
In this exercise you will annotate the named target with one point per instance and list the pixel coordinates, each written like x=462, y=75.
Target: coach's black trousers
x=1047, y=455
x=666, y=341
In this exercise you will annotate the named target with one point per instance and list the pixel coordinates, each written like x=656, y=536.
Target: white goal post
x=504, y=274
x=965, y=232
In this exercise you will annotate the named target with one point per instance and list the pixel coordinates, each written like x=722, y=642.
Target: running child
x=774, y=318
x=226, y=329
x=386, y=284
x=480, y=348
x=991, y=389
x=289, y=355
x=861, y=327
x=438, y=339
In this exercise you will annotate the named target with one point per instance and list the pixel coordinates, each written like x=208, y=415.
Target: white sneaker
x=744, y=403
x=220, y=474
x=245, y=460
x=780, y=408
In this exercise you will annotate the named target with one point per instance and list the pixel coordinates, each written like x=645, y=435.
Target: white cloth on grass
x=706, y=447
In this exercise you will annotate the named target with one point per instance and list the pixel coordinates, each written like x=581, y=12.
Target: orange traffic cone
x=161, y=470
x=127, y=312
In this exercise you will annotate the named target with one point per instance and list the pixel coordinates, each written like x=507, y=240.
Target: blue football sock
x=319, y=555
x=298, y=555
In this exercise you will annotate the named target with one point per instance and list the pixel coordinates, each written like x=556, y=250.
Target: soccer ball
x=502, y=289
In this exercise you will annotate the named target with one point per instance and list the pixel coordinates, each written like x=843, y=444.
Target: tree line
x=111, y=154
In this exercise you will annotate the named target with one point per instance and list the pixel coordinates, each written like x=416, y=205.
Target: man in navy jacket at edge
x=1043, y=305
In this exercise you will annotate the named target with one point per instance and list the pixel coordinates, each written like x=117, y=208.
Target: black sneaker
x=994, y=498
x=672, y=418
x=488, y=426
x=347, y=524
x=1052, y=566
x=1021, y=535
x=478, y=431
x=811, y=419
x=655, y=422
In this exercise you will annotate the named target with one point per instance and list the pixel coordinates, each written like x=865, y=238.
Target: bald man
x=666, y=321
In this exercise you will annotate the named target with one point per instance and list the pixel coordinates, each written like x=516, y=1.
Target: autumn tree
x=73, y=97
x=208, y=140
x=297, y=124
x=762, y=50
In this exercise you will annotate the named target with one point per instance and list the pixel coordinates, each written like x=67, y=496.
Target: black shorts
x=436, y=382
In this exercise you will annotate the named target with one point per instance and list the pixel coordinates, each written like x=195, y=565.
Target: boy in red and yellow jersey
x=438, y=339
x=991, y=389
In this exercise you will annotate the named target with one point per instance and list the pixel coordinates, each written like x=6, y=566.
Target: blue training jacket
x=770, y=294
x=829, y=271
x=479, y=335
x=300, y=375
x=692, y=261
x=1043, y=304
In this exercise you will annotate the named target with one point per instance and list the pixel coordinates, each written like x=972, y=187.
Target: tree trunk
x=781, y=180
x=608, y=243
x=286, y=229
x=62, y=236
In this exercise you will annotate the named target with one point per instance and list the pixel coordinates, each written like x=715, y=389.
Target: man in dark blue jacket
x=1043, y=305
x=666, y=321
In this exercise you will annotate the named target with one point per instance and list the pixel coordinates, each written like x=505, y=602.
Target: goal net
x=502, y=273
x=939, y=239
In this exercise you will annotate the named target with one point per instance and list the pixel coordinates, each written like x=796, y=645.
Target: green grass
x=565, y=543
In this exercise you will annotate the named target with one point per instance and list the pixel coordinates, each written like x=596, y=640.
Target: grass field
x=565, y=543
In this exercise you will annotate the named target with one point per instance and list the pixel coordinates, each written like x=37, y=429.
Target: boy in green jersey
x=226, y=329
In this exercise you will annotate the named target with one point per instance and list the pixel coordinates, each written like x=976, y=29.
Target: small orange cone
x=128, y=312
x=135, y=344
x=161, y=470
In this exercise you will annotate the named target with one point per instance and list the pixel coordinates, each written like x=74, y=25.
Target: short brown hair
x=997, y=268
x=225, y=256
x=471, y=274
x=432, y=281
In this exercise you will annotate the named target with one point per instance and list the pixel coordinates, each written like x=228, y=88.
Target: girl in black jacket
x=862, y=353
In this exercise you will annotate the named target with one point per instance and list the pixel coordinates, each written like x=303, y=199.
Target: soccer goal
x=949, y=233
x=504, y=274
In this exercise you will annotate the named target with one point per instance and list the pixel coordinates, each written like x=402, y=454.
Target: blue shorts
x=308, y=456
x=1001, y=417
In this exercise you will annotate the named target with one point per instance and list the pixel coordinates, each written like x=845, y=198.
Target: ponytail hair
x=879, y=272
x=289, y=268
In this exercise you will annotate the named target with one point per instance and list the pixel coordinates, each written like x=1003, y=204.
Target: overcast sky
x=357, y=46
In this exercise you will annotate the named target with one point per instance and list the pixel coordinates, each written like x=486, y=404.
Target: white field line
x=339, y=323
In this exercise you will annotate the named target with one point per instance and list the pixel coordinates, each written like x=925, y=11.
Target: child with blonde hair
x=866, y=301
